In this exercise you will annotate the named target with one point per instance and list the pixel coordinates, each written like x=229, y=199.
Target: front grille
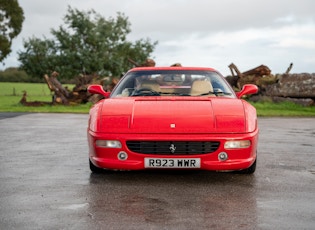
x=173, y=147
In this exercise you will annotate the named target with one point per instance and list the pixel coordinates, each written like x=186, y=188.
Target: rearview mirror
x=98, y=89
x=247, y=89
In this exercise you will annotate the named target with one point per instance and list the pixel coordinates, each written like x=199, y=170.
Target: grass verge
x=11, y=94
x=283, y=109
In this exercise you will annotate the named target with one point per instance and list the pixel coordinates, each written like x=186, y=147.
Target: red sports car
x=173, y=118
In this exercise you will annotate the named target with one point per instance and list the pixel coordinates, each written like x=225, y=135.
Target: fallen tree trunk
x=79, y=94
x=60, y=93
x=260, y=76
x=258, y=71
x=293, y=85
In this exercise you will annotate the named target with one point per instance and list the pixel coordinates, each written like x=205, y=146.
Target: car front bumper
x=110, y=158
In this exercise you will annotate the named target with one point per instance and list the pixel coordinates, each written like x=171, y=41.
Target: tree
x=11, y=20
x=87, y=44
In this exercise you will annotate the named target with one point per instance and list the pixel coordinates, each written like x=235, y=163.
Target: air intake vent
x=173, y=147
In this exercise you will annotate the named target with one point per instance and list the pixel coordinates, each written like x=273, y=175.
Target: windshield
x=172, y=83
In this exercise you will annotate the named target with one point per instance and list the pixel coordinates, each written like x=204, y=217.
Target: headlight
x=108, y=144
x=237, y=144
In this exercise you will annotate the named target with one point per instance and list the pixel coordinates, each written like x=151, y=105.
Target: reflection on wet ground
x=46, y=183
x=175, y=199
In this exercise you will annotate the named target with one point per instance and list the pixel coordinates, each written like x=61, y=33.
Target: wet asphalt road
x=46, y=183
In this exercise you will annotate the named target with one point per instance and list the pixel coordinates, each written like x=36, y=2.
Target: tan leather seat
x=201, y=87
x=149, y=84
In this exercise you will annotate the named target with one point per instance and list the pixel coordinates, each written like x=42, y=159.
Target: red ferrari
x=173, y=118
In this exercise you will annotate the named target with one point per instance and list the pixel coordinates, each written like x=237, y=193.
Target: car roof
x=171, y=68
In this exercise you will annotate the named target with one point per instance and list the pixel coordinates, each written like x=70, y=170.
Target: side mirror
x=98, y=89
x=247, y=89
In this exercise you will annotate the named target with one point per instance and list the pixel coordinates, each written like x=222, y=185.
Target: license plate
x=172, y=162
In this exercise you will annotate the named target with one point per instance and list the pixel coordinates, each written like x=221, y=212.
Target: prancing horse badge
x=172, y=148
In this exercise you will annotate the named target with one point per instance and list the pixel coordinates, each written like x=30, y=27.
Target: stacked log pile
x=260, y=76
x=78, y=95
x=297, y=88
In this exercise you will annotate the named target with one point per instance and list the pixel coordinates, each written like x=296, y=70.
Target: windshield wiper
x=176, y=94
x=222, y=93
x=215, y=93
x=145, y=92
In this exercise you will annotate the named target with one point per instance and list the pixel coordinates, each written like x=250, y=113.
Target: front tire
x=94, y=168
x=249, y=170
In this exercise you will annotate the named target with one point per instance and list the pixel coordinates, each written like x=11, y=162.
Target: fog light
x=237, y=144
x=222, y=156
x=108, y=144
x=122, y=155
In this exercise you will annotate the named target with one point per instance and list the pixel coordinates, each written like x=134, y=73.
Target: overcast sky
x=198, y=32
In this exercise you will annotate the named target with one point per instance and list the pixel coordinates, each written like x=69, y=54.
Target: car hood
x=172, y=115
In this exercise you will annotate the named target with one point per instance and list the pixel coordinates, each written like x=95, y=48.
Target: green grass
x=39, y=90
x=11, y=94
x=283, y=109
